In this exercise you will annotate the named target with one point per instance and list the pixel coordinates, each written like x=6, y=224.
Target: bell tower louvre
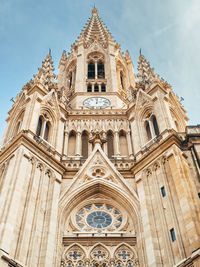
x=98, y=166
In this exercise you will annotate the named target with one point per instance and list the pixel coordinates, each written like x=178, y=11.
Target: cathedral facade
x=98, y=166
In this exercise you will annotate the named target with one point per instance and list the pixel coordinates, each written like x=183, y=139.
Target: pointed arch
x=39, y=126
x=128, y=201
x=122, y=80
x=89, y=88
x=148, y=131
x=18, y=122
x=103, y=87
x=84, y=150
x=123, y=146
x=179, y=123
x=50, y=117
x=155, y=125
x=91, y=70
x=72, y=143
x=96, y=88
x=110, y=144
x=100, y=70
x=47, y=131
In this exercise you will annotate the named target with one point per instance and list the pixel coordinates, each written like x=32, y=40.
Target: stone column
x=130, y=150
x=89, y=148
x=116, y=143
x=66, y=143
x=151, y=129
x=78, y=144
x=96, y=70
x=105, y=148
x=44, y=122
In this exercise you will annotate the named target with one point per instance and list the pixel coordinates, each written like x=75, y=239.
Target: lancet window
x=70, y=81
x=121, y=80
x=72, y=143
x=71, y=73
x=110, y=145
x=43, y=127
x=151, y=127
x=96, y=88
x=103, y=87
x=84, y=145
x=91, y=70
x=89, y=88
x=18, y=124
x=96, y=73
x=100, y=67
x=123, y=146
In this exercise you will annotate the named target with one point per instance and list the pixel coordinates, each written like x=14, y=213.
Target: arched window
x=72, y=144
x=70, y=81
x=176, y=124
x=84, y=144
x=122, y=80
x=103, y=88
x=96, y=88
x=155, y=126
x=123, y=146
x=148, y=131
x=17, y=130
x=91, y=70
x=101, y=73
x=46, y=132
x=89, y=88
x=110, y=145
x=39, y=126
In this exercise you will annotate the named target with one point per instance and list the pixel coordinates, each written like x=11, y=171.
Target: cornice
x=156, y=151
x=22, y=139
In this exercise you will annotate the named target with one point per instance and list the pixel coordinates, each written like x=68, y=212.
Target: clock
x=96, y=102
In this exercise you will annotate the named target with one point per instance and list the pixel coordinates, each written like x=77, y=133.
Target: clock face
x=96, y=102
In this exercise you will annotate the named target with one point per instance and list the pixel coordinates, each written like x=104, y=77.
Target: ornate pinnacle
x=145, y=72
x=46, y=74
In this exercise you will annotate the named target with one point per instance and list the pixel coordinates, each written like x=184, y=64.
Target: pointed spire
x=46, y=74
x=95, y=30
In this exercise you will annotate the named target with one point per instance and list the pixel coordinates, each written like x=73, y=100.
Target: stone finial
x=46, y=74
x=94, y=11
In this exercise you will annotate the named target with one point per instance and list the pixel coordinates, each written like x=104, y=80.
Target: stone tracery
x=99, y=217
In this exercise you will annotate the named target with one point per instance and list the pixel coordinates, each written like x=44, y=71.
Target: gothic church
x=98, y=166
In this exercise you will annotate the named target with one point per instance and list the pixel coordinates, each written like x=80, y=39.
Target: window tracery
x=100, y=255
x=125, y=257
x=151, y=127
x=74, y=256
x=43, y=127
x=96, y=81
x=99, y=217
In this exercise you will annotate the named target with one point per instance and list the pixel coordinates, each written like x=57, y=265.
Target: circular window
x=99, y=219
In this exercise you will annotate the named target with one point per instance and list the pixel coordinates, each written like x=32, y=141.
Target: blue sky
x=166, y=31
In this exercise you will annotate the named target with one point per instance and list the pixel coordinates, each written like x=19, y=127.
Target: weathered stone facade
x=98, y=167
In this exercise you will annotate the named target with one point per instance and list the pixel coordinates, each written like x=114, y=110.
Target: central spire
x=95, y=30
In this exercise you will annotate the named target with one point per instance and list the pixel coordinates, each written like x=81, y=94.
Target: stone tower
x=98, y=167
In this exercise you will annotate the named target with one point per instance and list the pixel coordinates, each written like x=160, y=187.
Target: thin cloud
x=164, y=29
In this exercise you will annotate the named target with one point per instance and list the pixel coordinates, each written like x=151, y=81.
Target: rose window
x=98, y=217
